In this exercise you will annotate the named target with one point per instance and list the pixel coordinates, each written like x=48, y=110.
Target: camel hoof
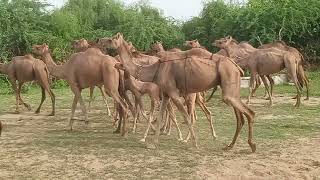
x=17, y=112
x=185, y=141
x=29, y=108
x=253, y=147
x=180, y=139
x=142, y=140
x=307, y=99
x=116, y=132
x=215, y=138
x=37, y=112
x=151, y=146
x=227, y=148
x=51, y=114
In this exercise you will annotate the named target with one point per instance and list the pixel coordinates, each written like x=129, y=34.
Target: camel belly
x=270, y=67
x=199, y=75
x=88, y=75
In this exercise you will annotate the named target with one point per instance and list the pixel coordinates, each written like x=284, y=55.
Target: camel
x=139, y=88
x=191, y=71
x=192, y=98
x=81, y=46
x=231, y=48
x=25, y=69
x=141, y=58
x=283, y=46
x=264, y=65
x=83, y=70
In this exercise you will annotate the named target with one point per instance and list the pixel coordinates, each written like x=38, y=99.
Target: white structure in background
x=278, y=79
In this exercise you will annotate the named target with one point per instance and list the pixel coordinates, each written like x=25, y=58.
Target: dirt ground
x=41, y=147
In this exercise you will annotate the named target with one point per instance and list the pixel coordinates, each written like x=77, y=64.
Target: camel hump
x=28, y=56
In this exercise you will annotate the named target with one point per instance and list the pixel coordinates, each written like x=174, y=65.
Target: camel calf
x=139, y=88
x=25, y=69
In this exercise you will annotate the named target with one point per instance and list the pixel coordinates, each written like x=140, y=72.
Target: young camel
x=192, y=98
x=25, y=69
x=139, y=88
x=81, y=46
x=191, y=71
x=83, y=70
x=303, y=79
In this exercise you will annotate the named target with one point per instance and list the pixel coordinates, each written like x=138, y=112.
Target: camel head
x=132, y=49
x=40, y=49
x=157, y=47
x=111, y=43
x=192, y=44
x=80, y=45
x=223, y=42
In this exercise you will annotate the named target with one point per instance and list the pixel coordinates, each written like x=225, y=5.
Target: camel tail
x=211, y=95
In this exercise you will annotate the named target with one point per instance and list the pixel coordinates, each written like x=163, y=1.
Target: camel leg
x=175, y=98
x=257, y=85
x=104, y=96
x=83, y=108
x=173, y=118
x=116, y=96
x=264, y=80
x=15, y=89
x=164, y=104
x=20, y=99
x=240, y=123
x=303, y=79
x=53, y=101
x=292, y=71
x=240, y=110
x=137, y=111
x=252, y=80
x=191, y=100
x=271, y=81
x=152, y=111
x=73, y=109
x=43, y=97
x=209, y=118
x=43, y=82
x=91, y=90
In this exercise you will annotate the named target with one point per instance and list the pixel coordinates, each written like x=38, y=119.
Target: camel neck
x=55, y=70
x=142, y=73
x=4, y=68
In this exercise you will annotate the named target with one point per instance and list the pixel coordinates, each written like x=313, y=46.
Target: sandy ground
x=25, y=153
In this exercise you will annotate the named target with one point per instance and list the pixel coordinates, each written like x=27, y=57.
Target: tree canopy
x=27, y=22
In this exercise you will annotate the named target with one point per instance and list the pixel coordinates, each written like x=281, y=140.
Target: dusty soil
x=40, y=147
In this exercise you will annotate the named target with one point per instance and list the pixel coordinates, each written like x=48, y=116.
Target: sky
x=178, y=9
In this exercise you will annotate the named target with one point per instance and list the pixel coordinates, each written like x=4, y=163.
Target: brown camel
x=139, y=88
x=83, y=70
x=192, y=98
x=81, y=46
x=25, y=69
x=237, y=50
x=301, y=74
x=195, y=70
x=269, y=61
x=141, y=58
